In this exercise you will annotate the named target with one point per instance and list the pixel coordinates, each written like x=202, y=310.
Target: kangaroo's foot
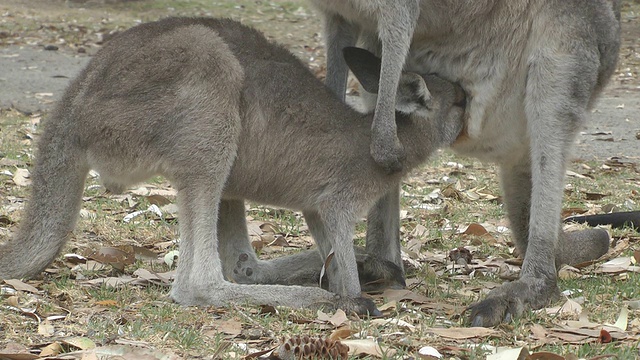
x=302, y=268
x=378, y=274
x=359, y=305
x=511, y=299
x=580, y=246
x=225, y=293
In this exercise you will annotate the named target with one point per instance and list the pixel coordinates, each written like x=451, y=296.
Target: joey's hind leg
x=339, y=33
x=241, y=264
x=573, y=247
x=382, y=267
x=333, y=232
x=200, y=280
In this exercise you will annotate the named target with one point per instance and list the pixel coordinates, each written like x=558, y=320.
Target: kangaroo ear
x=365, y=66
x=413, y=94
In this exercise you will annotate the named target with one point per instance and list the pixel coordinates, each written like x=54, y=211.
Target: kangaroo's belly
x=496, y=125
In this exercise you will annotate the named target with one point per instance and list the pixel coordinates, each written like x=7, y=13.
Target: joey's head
x=429, y=101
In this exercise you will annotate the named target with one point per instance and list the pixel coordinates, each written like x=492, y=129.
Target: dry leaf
x=13, y=351
x=605, y=337
x=592, y=333
x=141, y=253
x=623, y=319
x=21, y=177
x=107, y=303
x=475, y=230
x=124, y=352
x=52, y=349
x=520, y=353
x=419, y=231
x=429, y=353
x=231, y=327
x=341, y=333
x=45, y=329
x=618, y=265
x=170, y=257
x=570, y=307
x=158, y=200
x=367, y=347
x=337, y=319
x=397, y=322
x=463, y=333
x=566, y=212
x=583, y=322
x=279, y=240
x=110, y=281
x=544, y=355
x=81, y=343
x=461, y=255
x=567, y=272
x=391, y=305
x=21, y=286
x=594, y=196
x=325, y=266
x=538, y=331
x=154, y=278
x=114, y=257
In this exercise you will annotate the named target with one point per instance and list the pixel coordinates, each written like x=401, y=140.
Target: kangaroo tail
x=52, y=210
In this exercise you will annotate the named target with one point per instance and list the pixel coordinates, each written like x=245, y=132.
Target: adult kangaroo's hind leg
x=555, y=106
x=381, y=266
x=241, y=265
x=54, y=203
x=338, y=34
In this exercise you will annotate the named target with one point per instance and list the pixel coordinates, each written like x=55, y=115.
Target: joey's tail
x=52, y=210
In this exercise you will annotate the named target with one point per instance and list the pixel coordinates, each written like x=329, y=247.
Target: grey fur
x=532, y=69
x=225, y=116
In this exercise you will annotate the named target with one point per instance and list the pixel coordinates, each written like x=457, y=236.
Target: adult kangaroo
x=210, y=104
x=531, y=69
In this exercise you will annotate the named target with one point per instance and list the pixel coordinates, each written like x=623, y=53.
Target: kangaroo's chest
x=493, y=72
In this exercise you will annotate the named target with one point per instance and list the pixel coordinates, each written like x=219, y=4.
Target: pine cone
x=305, y=347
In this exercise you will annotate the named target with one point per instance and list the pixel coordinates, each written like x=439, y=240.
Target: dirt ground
x=32, y=78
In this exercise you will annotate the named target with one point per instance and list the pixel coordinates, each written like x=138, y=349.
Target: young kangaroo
x=531, y=70
x=210, y=104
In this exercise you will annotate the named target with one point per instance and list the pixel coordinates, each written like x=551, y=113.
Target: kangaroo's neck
x=418, y=138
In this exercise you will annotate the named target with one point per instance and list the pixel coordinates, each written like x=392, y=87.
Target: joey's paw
x=379, y=274
x=510, y=300
x=245, y=271
x=389, y=155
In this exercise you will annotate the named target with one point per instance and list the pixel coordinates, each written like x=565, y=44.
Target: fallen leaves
x=21, y=177
x=21, y=286
x=463, y=333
